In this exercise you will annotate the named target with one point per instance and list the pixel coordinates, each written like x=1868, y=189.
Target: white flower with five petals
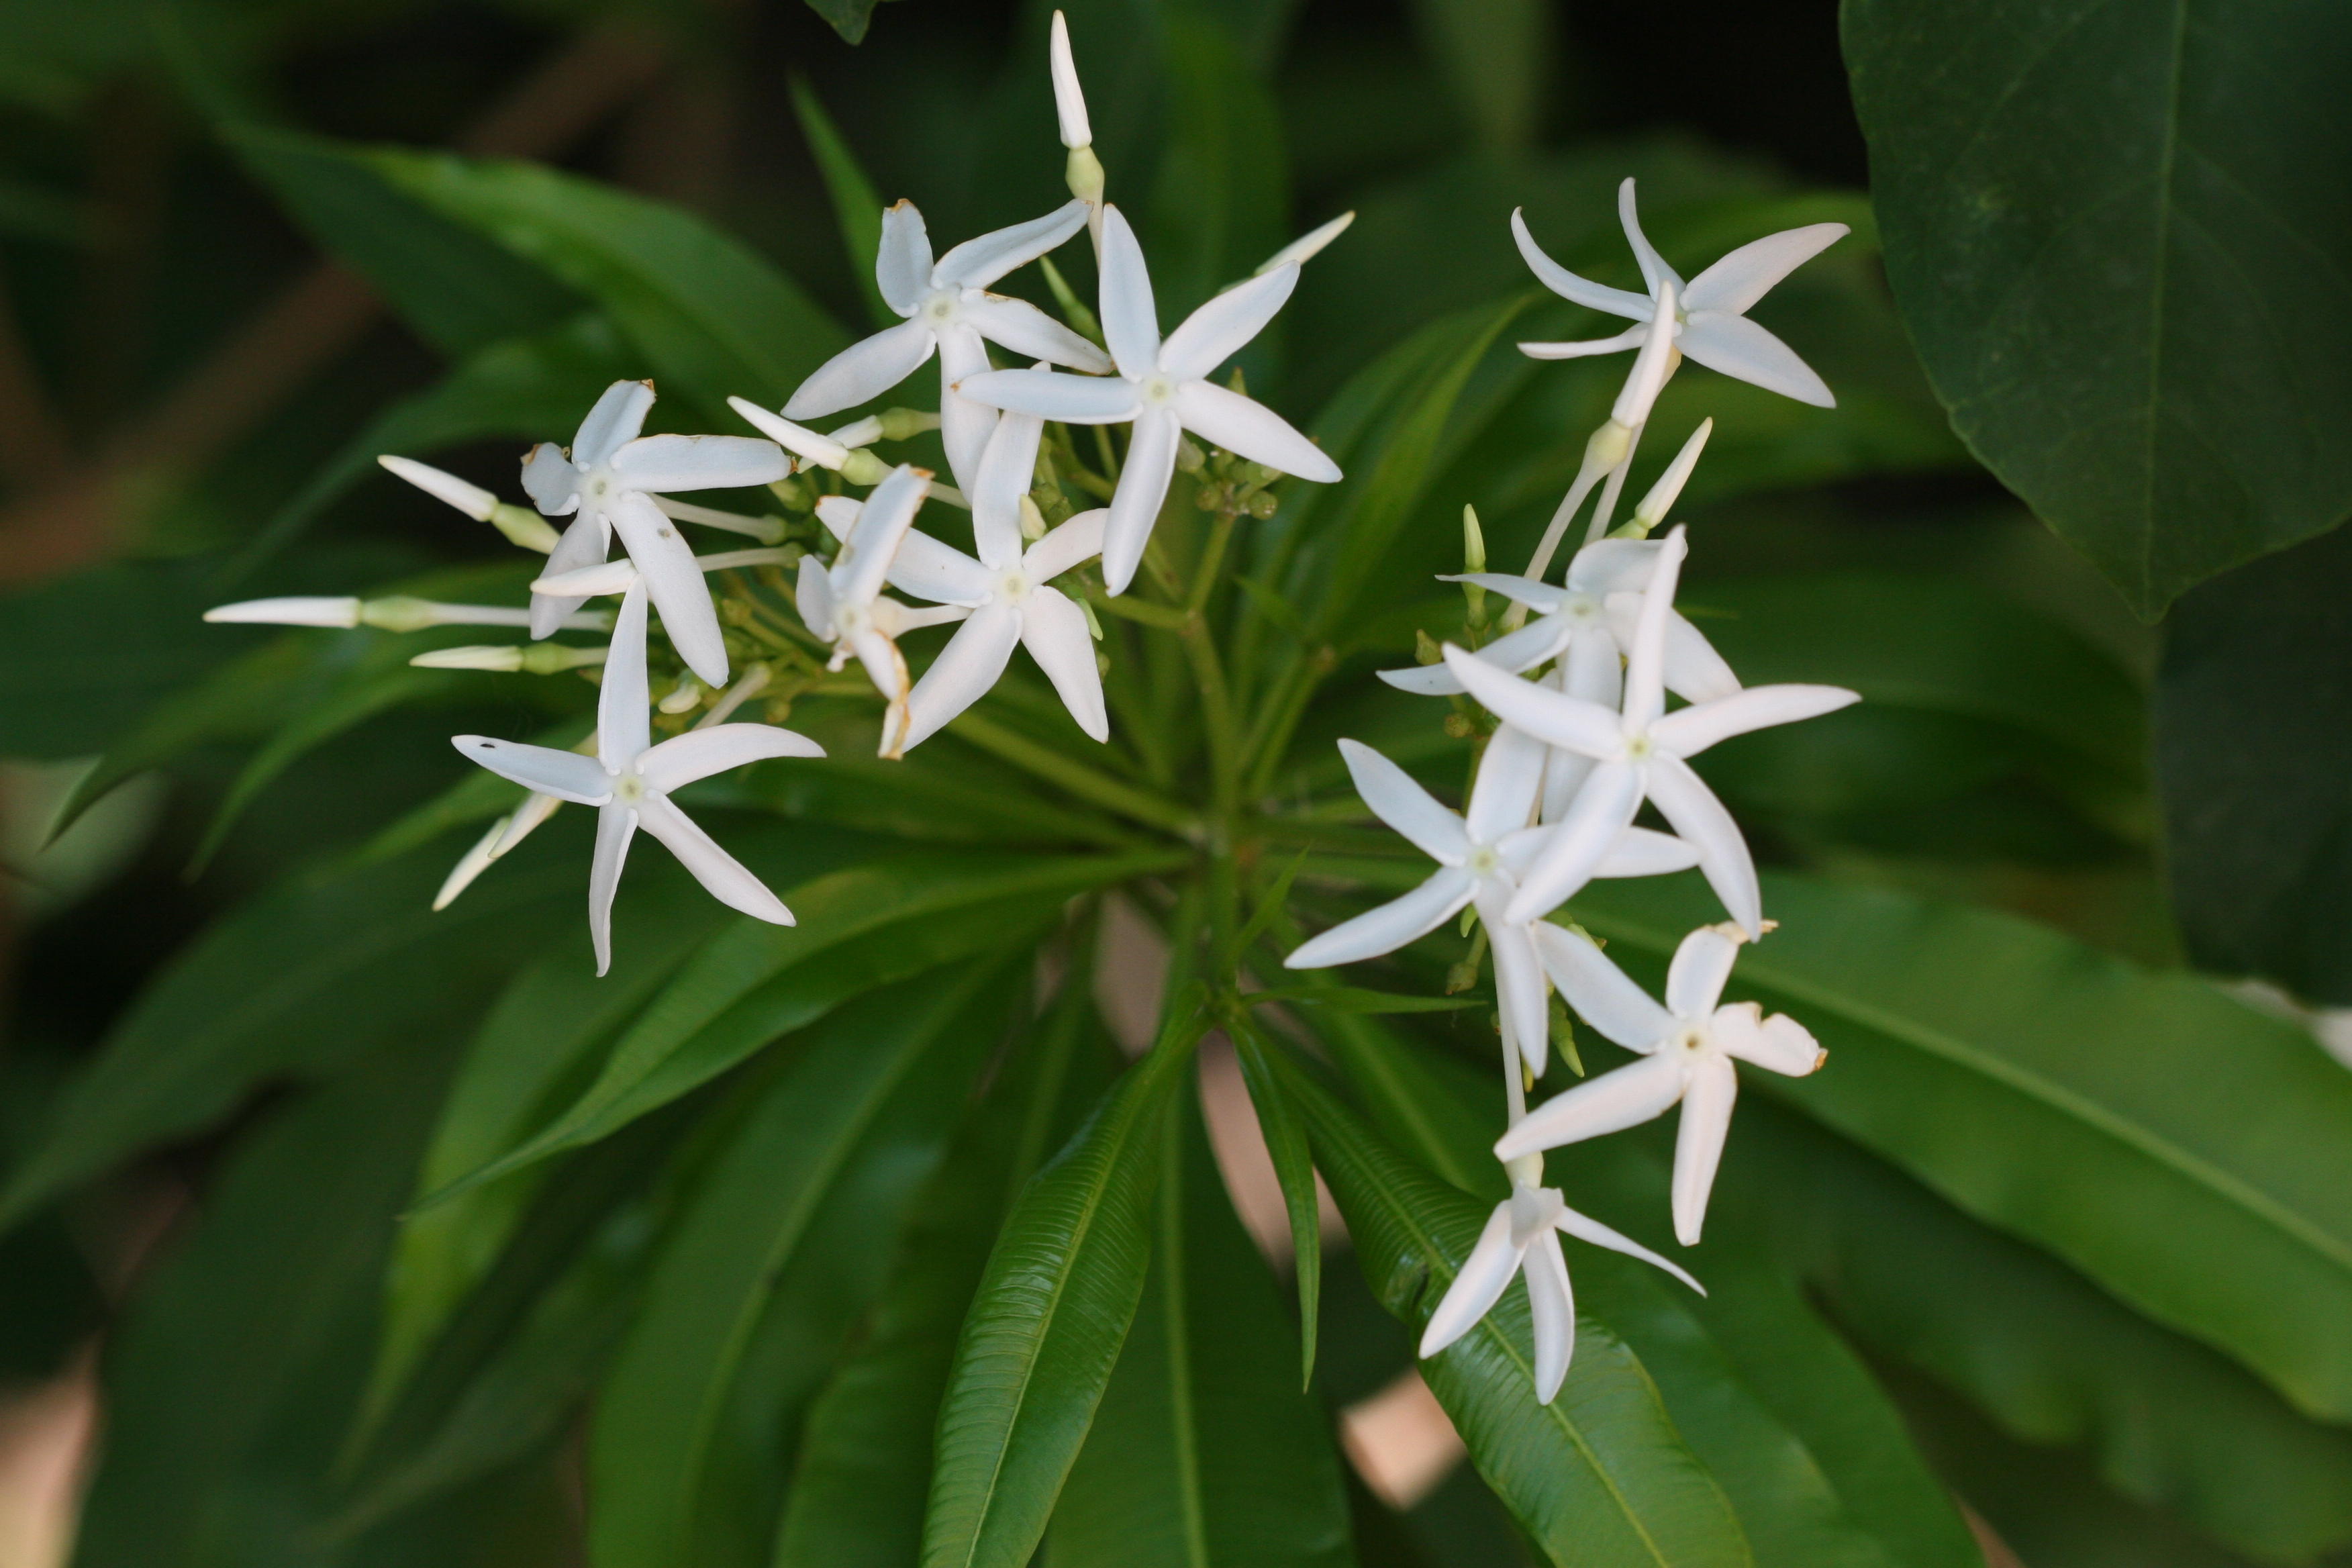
x=1479, y=855
x=950, y=310
x=1163, y=388
x=1640, y=752
x=1710, y=314
x=1688, y=1048
x=613, y=478
x=1523, y=1235
x=630, y=780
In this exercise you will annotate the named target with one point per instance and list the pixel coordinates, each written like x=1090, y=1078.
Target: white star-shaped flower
x=613, y=478
x=630, y=780
x=844, y=603
x=1640, y=753
x=1163, y=388
x=1710, y=316
x=1006, y=593
x=1479, y=856
x=1523, y=1234
x=950, y=310
x=1687, y=1047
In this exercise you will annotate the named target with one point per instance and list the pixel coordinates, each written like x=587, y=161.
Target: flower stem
x=1086, y=783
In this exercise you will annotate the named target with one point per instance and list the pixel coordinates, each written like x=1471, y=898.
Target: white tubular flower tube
x=397, y=613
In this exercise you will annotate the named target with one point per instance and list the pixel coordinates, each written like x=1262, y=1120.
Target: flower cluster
x=1576, y=678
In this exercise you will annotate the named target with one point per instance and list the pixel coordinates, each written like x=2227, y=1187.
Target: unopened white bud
x=1304, y=247
x=1607, y=448
x=858, y=432
x=1069, y=98
x=905, y=424
x=798, y=439
x=505, y=659
x=589, y=582
x=1526, y=1170
x=298, y=611
x=1669, y=487
x=1474, y=542
x=1083, y=174
x=1033, y=521
x=470, y=499
x=863, y=467
x=524, y=527
x=685, y=698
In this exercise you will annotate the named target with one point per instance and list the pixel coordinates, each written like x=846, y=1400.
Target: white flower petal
x=864, y=559
x=1503, y=796
x=1130, y=322
x=616, y=420
x=1224, y=326
x=1543, y=597
x=615, y=825
x=1654, y=269
x=1604, y=808
x=977, y=263
x=1639, y=852
x=939, y=573
x=813, y=596
x=1075, y=542
x=888, y=670
x=583, y=545
x=1708, y=828
x=1694, y=671
x=1028, y=332
x=1054, y=632
x=551, y=482
x=1568, y=285
x=1701, y=966
x=543, y=770
x=839, y=514
x=1553, y=717
x=1598, y=991
x=1512, y=652
x=1252, y=430
x=865, y=369
x=673, y=580
x=1069, y=98
x=1687, y=732
x=1593, y=671
x=1551, y=1303
x=902, y=264
x=1484, y=1275
x=534, y=810
x=720, y=873
x=1391, y=925
x=1778, y=1043
x=965, y=669
x=1053, y=394
x=1588, y=348
x=1653, y=363
x=1698, y=1142
x=1645, y=657
x=700, y=462
x=698, y=754
x=304, y=610
x=1638, y=1092
x=1741, y=277
x=1008, y=466
x=624, y=728
x=1404, y=805
x=1135, y=505
x=964, y=425
x=1584, y=1228
x=1614, y=565
x=1739, y=348
x=1519, y=989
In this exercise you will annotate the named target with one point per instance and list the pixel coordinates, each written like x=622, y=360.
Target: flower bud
x=1669, y=487
x=470, y=499
x=1190, y=457
x=863, y=467
x=685, y=699
x=1262, y=505
x=905, y=424
x=1033, y=521
x=1069, y=98
x=1085, y=173
x=299, y=611
x=1474, y=542
x=859, y=432
x=1526, y=1170
x=524, y=527
x=504, y=660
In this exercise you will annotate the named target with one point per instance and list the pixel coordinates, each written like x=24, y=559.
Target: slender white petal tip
x=291, y=612
x=589, y=582
x=1069, y=98
x=1306, y=245
x=472, y=864
x=470, y=499
x=1663, y=495
x=801, y=441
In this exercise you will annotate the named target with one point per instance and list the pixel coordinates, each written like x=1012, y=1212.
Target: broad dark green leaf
x=1203, y=1454
x=862, y=928
x=694, y=1424
x=1286, y=1145
x=2253, y=723
x=2187, y=1151
x=856, y=208
x=301, y=981
x=1598, y=1477
x=711, y=317
x=2042, y=1354
x=458, y=291
x=1046, y=1326
x=2115, y=237
x=865, y=1461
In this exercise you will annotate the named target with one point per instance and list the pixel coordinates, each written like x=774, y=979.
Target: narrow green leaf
x=1045, y=1330
x=1598, y=1477
x=1219, y=201
x=1286, y=1142
x=1201, y=1454
x=855, y=205
x=1496, y=59
x=805, y=1195
x=2187, y=1151
x=864, y=1466
x=848, y=17
x=2165, y=430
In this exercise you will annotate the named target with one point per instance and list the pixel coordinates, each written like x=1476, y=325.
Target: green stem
x=1278, y=719
x=1086, y=783
x=1212, y=556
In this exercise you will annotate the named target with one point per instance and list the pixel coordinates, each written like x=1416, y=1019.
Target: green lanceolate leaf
x=855, y=206
x=858, y=929
x=1047, y=1323
x=1201, y=1454
x=2185, y=1150
x=299, y=983
x=2116, y=238
x=1598, y=1477
x=789, y=1230
x=1286, y=1143
x=2042, y=1354
x=865, y=1462
x=710, y=317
